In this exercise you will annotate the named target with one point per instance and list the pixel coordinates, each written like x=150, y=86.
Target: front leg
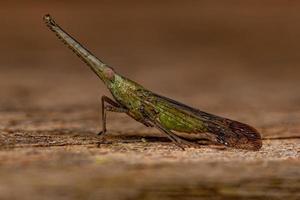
x=113, y=107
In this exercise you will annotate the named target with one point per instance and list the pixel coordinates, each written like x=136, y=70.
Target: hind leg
x=180, y=142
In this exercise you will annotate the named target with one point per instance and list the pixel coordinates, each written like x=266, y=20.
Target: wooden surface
x=237, y=60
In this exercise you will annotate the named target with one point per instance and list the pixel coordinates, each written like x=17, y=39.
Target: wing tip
x=247, y=137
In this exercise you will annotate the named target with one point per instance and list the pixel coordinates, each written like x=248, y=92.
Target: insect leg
x=174, y=138
x=113, y=107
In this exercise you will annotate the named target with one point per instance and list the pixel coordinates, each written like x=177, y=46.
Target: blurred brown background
x=238, y=59
x=233, y=53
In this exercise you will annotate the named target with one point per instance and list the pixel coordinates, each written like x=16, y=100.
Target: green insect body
x=174, y=119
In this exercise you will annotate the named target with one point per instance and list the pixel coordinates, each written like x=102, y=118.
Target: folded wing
x=225, y=131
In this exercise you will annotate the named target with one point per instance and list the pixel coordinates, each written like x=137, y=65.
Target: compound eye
x=109, y=73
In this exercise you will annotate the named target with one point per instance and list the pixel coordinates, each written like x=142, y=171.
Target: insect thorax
x=124, y=91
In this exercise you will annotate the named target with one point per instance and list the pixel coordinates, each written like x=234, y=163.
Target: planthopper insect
x=176, y=120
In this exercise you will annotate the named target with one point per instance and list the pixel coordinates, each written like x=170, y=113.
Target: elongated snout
x=100, y=68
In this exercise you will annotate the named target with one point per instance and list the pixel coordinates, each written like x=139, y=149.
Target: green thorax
x=126, y=92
